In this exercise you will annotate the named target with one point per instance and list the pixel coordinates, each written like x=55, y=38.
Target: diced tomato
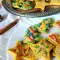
x=53, y=37
x=19, y=47
x=26, y=54
x=19, y=55
x=25, y=49
x=32, y=29
x=14, y=50
x=30, y=38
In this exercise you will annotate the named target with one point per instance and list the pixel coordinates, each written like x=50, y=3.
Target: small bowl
x=49, y=10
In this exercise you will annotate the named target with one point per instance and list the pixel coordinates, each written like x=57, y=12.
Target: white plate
x=19, y=32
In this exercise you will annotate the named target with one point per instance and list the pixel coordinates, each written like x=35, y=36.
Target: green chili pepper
x=45, y=30
x=39, y=51
x=36, y=46
x=37, y=39
x=30, y=42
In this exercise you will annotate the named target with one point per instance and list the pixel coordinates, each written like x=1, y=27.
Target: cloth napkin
x=8, y=18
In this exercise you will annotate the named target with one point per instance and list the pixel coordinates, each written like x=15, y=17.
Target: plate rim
x=33, y=15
